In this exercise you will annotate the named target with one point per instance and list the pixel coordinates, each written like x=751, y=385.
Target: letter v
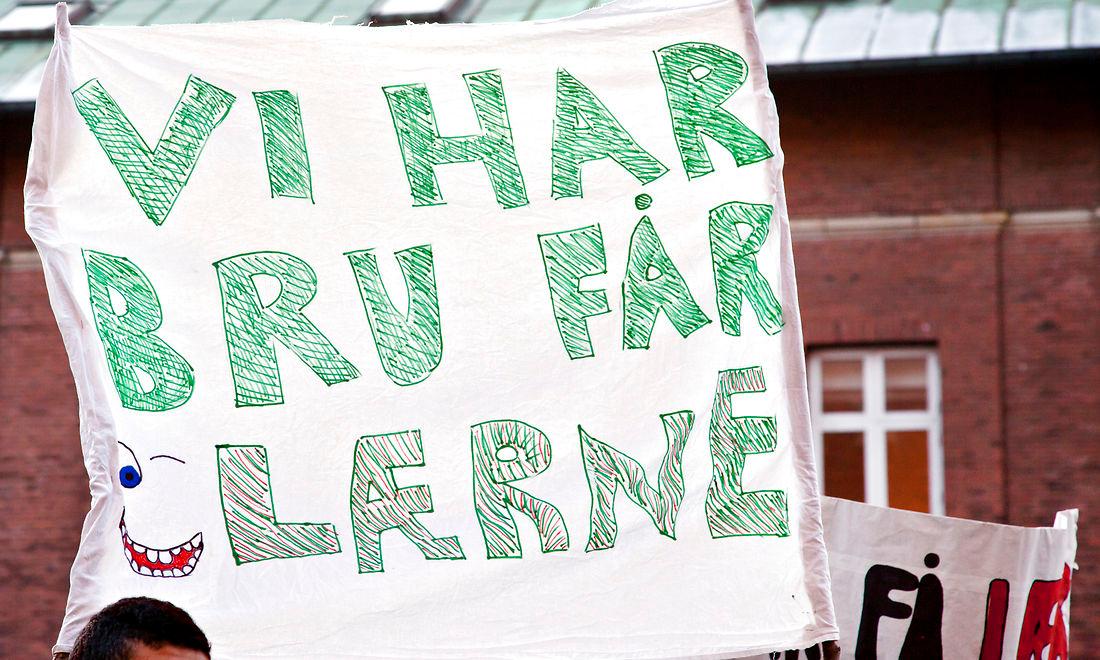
x=155, y=177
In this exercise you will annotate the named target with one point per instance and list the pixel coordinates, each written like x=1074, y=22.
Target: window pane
x=906, y=384
x=402, y=7
x=844, y=465
x=842, y=385
x=28, y=17
x=907, y=469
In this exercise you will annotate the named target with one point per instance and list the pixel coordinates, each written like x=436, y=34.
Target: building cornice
x=891, y=226
x=817, y=229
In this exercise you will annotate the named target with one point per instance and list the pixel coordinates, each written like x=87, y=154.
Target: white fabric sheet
x=319, y=425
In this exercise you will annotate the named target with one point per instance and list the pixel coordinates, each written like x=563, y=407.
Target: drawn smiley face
x=175, y=562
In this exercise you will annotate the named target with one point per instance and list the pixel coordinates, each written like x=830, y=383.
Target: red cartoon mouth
x=153, y=562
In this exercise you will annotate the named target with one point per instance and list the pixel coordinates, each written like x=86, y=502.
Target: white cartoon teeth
x=178, y=561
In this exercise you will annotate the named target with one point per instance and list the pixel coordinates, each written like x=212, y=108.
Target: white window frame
x=874, y=420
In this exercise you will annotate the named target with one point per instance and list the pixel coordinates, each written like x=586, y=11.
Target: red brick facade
x=894, y=160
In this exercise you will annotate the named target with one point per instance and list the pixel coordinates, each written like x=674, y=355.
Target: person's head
x=141, y=629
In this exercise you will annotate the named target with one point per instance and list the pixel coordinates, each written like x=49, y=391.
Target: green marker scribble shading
x=585, y=130
x=128, y=337
x=255, y=534
x=423, y=148
x=156, y=176
x=607, y=468
x=284, y=144
x=699, y=78
x=505, y=451
x=410, y=345
x=378, y=505
x=730, y=510
x=736, y=274
x=568, y=257
x=252, y=326
x=652, y=283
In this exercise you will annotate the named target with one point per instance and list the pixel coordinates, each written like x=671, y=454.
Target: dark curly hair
x=111, y=633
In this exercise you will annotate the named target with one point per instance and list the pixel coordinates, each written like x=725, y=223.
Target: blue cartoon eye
x=129, y=477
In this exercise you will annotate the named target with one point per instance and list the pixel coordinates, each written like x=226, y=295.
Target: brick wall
x=940, y=289
x=1052, y=386
x=15, y=141
x=862, y=143
x=1015, y=315
x=43, y=485
x=941, y=140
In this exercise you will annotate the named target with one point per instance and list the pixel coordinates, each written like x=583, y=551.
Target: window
x=23, y=18
x=876, y=421
x=396, y=12
x=36, y=19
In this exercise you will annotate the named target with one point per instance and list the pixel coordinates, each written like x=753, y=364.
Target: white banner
x=435, y=341
x=911, y=586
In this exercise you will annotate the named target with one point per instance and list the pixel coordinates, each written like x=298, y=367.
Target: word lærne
x=503, y=453
x=150, y=375
x=698, y=79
